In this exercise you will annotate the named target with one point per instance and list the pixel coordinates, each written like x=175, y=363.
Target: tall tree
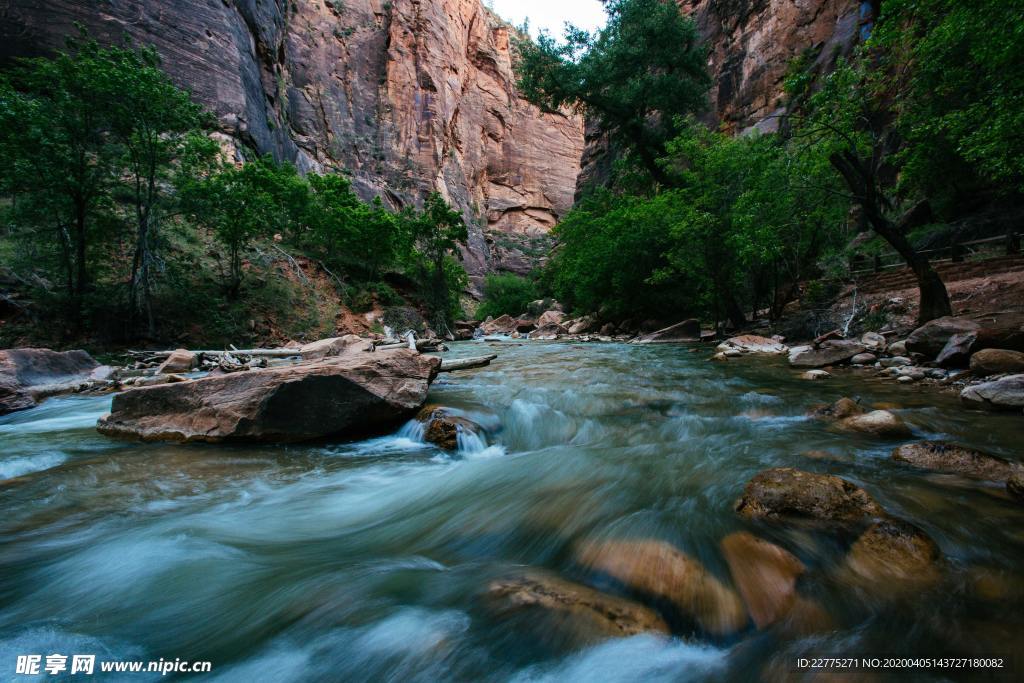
x=634, y=77
x=436, y=233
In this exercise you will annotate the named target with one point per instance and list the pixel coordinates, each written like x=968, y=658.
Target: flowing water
x=370, y=560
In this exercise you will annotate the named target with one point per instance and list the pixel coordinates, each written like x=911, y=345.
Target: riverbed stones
x=814, y=375
x=873, y=342
x=180, y=360
x=575, y=610
x=843, y=408
x=864, y=359
x=1015, y=485
x=27, y=375
x=442, y=427
x=828, y=353
x=354, y=394
x=765, y=575
x=996, y=361
x=686, y=331
x=930, y=338
x=551, y=317
x=658, y=571
x=752, y=343
x=895, y=362
x=943, y=456
x=881, y=423
x=787, y=493
x=1003, y=394
x=894, y=558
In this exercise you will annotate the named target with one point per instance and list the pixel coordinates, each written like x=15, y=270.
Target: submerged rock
x=752, y=343
x=688, y=330
x=815, y=375
x=785, y=492
x=893, y=558
x=442, y=428
x=578, y=612
x=351, y=394
x=844, y=407
x=658, y=571
x=942, y=456
x=828, y=353
x=1004, y=393
x=996, y=361
x=27, y=375
x=765, y=575
x=1015, y=485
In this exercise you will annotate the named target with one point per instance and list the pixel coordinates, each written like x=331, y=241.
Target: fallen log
x=451, y=365
x=268, y=353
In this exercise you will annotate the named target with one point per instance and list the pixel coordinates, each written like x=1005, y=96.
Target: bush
x=505, y=293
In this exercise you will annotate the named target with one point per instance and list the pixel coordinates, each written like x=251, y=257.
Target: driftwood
x=268, y=353
x=834, y=334
x=451, y=365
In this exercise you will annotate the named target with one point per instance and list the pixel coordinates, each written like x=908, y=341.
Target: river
x=368, y=560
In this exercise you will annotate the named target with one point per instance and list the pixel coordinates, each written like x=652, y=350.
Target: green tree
x=634, y=77
x=506, y=293
x=56, y=160
x=436, y=233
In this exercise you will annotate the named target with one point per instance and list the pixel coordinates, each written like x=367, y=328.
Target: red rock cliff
x=410, y=96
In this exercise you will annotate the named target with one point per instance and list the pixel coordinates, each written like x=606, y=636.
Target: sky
x=551, y=14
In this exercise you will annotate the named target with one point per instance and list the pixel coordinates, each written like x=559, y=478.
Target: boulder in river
x=180, y=360
x=575, y=611
x=997, y=361
x=828, y=353
x=1004, y=393
x=765, y=575
x=843, y=408
x=346, y=395
x=660, y=572
x=957, y=351
x=581, y=325
x=932, y=337
x=785, y=492
x=1015, y=485
x=752, y=343
x=442, y=427
x=873, y=342
x=686, y=331
x=548, y=331
x=942, y=456
x=27, y=375
x=502, y=325
x=864, y=359
x=881, y=423
x=893, y=558
x=551, y=317
x=815, y=375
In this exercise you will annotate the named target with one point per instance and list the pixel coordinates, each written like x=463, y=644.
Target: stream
x=369, y=560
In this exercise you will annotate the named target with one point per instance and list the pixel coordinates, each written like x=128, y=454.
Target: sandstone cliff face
x=751, y=44
x=410, y=96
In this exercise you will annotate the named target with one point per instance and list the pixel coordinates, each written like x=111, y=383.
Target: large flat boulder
x=752, y=343
x=504, y=324
x=997, y=361
x=1001, y=330
x=354, y=394
x=1005, y=393
x=688, y=330
x=788, y=493
x=828, y=353
x=26, y=375
x=942, y=456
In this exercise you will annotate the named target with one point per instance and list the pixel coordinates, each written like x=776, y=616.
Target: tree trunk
x=732, y=308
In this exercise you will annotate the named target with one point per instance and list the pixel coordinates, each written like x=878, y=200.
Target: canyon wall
x=409, y=96
x=751, y=44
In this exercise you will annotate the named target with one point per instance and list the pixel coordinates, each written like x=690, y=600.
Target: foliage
x=434, y=235
x=634, y=77
x=506, y=293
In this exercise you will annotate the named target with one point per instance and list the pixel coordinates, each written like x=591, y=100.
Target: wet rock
x=157, y=379
x=815, y=375
x=864, y=359
x=180, y=360
x=658, y=571
x=549, y=331
x=335, y=346
x=719, y=357
x=906, y=379
x=1004, y=393
x=688, y=330
x=503, y=325
x=942, y=456
x=843, y=408
x=897, y=348
x=765, y=575
x=896, y=362
x=442, y=427
x=752, y=343
x=880, y=423
x=551, y=317
x=785, y=492
x=932, y=337
x=914, y=373
x=576, y=611
x=607, y=329
x=893, y=558
x=525, y=324
x=996, y=361
x=28, y=375
x=345, y=395
x=957, y=351
x=828, y=353
x=1015, y=485
x=732, y=353
x=873, y=342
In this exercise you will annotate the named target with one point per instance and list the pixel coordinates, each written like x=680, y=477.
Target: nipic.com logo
x=56, y=664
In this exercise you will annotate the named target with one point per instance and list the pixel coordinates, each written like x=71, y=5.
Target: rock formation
x=29, y=375
x=408, y=96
